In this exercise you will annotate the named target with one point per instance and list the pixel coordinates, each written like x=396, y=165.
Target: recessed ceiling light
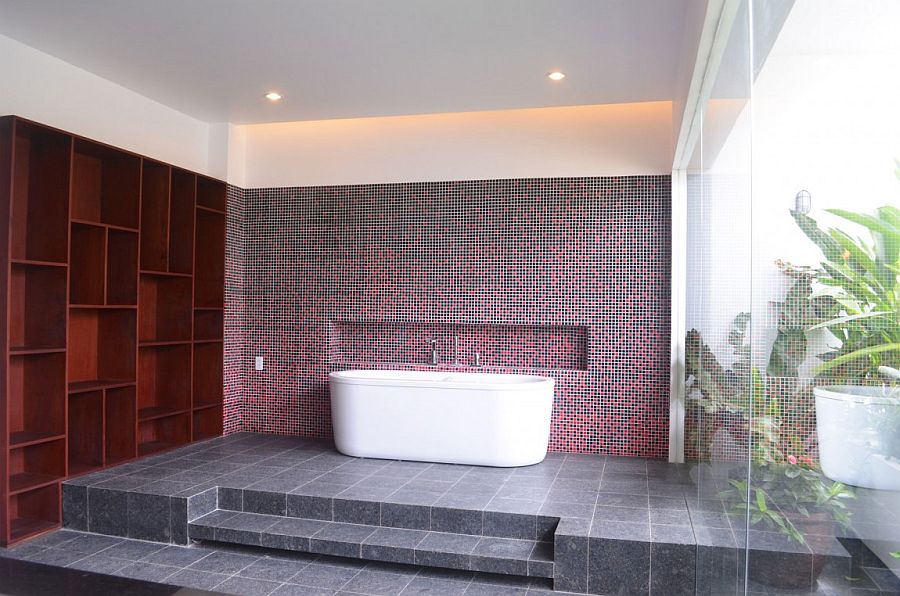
x=556, y=75
x=273, y=96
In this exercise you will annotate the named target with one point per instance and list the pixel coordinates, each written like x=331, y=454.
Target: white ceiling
x=214, y=59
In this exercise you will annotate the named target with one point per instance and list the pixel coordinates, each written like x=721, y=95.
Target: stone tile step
x=508, y=556
x=503, y=518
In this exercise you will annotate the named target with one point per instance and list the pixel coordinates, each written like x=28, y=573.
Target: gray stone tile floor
x=607, y=497
x=236, y=570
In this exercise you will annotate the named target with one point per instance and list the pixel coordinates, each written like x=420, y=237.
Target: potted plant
x=784, y=488
x=858, y=415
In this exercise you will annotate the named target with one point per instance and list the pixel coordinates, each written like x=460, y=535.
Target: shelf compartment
x=36, y=397
x=209, y=278
x=208, y=373
x=181, y=221
x=37, y=296
x=39, y=210
x=165, y=378
x=211, y=194
x=85, y=431
x=121, y=442
x=102, y=350
x=165, y=309
x=36, y=465
x=164, y=433
x=207, y=423
x=155, y=216
x=33, y=512
x=121, y=268
x=106, y=185
x=88, y=257
x=208, y=325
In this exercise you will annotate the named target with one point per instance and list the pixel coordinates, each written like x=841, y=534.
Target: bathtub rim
x=523, y=382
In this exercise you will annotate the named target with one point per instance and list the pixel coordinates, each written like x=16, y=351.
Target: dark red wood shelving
x=114, y=324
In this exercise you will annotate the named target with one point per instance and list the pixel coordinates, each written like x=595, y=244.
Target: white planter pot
x=859, y=430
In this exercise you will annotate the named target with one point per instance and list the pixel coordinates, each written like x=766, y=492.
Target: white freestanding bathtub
x=447, y=417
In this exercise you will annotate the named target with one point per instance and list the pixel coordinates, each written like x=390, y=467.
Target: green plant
x=783, y=481
x=777, y=490
x=863, y=278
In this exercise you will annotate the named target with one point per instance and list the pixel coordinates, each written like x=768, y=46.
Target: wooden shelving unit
x=112, y=347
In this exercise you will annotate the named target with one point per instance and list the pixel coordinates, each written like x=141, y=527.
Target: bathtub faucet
x=455, y=350
x=434, y=351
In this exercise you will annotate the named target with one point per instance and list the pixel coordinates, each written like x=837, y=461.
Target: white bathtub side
x=504, y=428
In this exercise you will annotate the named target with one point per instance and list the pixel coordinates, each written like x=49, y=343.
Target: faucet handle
x=477, y=360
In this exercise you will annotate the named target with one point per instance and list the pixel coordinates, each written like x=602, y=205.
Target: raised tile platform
x=592, y=523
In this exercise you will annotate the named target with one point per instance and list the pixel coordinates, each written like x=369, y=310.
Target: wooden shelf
x=204, y=406
x=209, y=325
x=160, y=344
x=102, y=348
x=120, y=405
x=97, y=384
x=106, y=185
x=88, y=258
x=35, y=466
x=23, y=528
x=104, y=266
x=166, y=274
x=24, y=482
x=29, y=350
x=155, y=216
x=207, y=422
x=81, y=468
x=33, y=512
x=102, y=307
x=26, y=438
x=33, y=263
x=181, y=221
x=36, y=396
x=209, y=281
x=85, y=434
x=115, y=275
x=151, y=447
x=153, y=413
x=211, y=195
x=158, y=434
x=210, y=210
x=87, y=222
x=165, y=374
x=165, y=311
x=208, y=372
x=39, y=203
x=38, y=295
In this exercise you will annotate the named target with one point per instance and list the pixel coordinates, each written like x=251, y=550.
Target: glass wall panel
x=793, y=303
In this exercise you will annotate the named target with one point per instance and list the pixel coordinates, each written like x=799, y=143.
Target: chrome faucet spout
x=434, y=351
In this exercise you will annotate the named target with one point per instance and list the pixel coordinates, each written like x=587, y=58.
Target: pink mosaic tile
x=561, y=277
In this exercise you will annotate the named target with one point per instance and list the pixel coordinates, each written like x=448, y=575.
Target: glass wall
x=793, y=302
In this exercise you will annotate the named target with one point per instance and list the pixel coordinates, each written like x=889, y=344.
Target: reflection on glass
x=792, y=361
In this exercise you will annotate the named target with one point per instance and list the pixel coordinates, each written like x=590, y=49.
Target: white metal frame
x=717, y=25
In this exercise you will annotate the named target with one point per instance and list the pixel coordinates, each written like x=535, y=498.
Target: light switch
x=258, y=363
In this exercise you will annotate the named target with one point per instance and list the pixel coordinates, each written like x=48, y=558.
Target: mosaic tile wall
x=521, y=262
x=235, y=331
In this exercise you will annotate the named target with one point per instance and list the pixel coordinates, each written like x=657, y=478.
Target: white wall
x=599, y=140
x=603, y=140
x=40, y=87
